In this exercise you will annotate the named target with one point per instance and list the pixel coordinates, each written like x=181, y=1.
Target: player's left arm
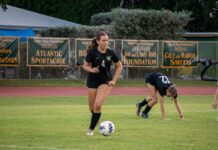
x=162, y=109
x=178, y=108
x=118, y=71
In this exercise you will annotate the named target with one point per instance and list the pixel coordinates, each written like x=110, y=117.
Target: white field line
x=32, y=147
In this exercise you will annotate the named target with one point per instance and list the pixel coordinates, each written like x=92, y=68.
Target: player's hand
x=95, y=70
x=111, y=83
x=214, y=105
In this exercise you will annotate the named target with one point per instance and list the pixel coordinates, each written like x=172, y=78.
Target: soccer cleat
x=90, y=132
x=144, y=116
x=138, y=109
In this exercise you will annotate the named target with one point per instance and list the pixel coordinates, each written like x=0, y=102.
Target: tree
x=201, y=9
x=76, y=10
x=204, y=18
x=3, y=4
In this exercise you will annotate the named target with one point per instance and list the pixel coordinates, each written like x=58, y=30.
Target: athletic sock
x=94, y=120
x=147, y=109
x=143, y=103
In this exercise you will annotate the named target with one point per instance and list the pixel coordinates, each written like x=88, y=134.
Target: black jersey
x=160, y=81
x=104, y=61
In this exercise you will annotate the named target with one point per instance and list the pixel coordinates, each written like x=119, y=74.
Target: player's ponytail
x=94, y=44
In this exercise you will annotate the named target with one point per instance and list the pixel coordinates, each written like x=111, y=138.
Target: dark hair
x=94, y=43
x=172, y=89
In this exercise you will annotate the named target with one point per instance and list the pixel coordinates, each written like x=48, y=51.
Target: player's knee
x=148, y=99
x=155, y=101
x=97, y=106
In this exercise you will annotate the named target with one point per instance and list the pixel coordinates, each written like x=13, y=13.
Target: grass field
x=60, y=123
x=82, y=82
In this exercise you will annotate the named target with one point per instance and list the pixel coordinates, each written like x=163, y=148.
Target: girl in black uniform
x=100, y=81
x=159, y=86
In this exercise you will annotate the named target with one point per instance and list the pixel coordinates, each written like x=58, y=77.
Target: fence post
x=172, y=75
x=29, y=72
x=216, y=61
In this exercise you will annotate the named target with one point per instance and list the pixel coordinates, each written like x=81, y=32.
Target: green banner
x=140, y=53
x=179, y=53
x=9, y=51
x=82, y=45
x=48, y=52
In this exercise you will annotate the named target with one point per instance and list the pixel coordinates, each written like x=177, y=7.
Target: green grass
x=61, y=123
x=82, y=82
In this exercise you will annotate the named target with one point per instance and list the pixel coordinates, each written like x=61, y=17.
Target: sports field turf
x=60, y=123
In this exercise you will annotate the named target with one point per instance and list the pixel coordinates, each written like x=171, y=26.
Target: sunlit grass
x=61, y=123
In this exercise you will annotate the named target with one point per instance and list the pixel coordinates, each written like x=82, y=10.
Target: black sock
x=143, y=103
x=147, y=109
x=94, y=120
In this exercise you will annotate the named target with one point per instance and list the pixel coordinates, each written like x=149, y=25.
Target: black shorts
x=151, y=78
x=94, y=82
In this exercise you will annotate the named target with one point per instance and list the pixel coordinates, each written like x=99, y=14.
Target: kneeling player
x=159, y=86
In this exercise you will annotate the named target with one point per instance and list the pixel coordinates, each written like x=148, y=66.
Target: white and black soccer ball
x=106, y=128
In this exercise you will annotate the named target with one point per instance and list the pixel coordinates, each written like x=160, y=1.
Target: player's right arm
x=88, y=67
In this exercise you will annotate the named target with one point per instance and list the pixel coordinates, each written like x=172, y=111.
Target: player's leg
x=141, y=104
x=152, y=102
x=91, y=98
x=102, y=91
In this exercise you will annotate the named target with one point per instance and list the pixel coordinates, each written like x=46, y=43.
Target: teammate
x=159, y=86
x=99, y=81
x=215, y=100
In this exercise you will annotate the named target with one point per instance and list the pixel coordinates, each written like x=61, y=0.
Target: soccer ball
x=106, y=128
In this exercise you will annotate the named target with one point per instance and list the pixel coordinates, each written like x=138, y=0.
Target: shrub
x=150, y=24
x=101, y=19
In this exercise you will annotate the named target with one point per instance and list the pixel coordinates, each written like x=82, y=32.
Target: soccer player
x=159, y=86
x=215, y=100
x=100, y=80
